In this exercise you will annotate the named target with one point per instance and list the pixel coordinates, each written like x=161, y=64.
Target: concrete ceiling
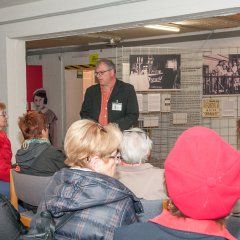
x=135, y=34
x=121, y=37
x=124, y=37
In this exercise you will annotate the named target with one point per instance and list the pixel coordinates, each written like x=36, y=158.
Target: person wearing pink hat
x=202, y=176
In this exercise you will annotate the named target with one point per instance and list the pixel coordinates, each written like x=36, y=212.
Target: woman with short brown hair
x=37, y=156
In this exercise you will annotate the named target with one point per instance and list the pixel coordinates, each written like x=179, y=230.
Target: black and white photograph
x=221, y=74
x=155, y=72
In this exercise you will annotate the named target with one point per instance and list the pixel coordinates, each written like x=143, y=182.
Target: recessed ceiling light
x=162, y=27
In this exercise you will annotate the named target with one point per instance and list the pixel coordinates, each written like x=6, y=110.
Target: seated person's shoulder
x=59, y=149
x=55, y=151
x=136, y=231
x=153, y=169
x=152, y=208
x=159, y=170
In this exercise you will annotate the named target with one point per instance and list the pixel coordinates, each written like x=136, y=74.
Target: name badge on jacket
x=116, y=106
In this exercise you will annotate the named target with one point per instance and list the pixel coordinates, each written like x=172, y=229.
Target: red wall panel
x=34, y=80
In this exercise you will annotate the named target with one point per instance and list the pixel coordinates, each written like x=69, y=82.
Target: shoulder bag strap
x=49, y=226
x=64, y=220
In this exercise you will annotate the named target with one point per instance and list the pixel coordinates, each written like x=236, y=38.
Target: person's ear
x=45, y=133
x=112, y=73
x=96, y=163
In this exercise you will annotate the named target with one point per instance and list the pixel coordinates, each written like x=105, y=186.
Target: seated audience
x=101, y=203
x=141, y=177
x=37, y=156
x=5, y=153
x=202, y=174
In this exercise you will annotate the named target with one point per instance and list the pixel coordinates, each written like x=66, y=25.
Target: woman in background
x=5, y=153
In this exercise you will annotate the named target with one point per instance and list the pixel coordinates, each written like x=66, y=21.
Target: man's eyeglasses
x=99, y=74
x=4, y=114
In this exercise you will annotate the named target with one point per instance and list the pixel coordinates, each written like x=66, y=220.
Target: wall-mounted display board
x=155, y=72
x=191, y=103
x=221, y=74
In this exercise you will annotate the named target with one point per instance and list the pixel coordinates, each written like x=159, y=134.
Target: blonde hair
x=86, y=138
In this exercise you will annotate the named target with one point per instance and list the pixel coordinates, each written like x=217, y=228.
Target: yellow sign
x=210, y=107
x=93, y=58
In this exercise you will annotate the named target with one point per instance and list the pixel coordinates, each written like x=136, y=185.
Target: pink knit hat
x=203, y=174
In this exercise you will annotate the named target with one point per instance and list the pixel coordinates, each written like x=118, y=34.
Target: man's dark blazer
x=122, y=93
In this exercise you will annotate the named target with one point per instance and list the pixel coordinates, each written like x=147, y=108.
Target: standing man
x=111, y=100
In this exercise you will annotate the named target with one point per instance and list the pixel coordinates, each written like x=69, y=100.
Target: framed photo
x=221, y=74
x=155, y=72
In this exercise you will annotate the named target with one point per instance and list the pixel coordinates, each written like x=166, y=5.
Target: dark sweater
x=40, y=159
x=153, y=231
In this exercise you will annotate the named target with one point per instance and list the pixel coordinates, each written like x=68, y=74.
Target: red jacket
x=5, y=157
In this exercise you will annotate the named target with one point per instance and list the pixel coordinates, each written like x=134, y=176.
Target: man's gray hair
x=109, y=63
x=136, y=146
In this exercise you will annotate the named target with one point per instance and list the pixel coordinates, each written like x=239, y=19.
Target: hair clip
x=100, y=127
